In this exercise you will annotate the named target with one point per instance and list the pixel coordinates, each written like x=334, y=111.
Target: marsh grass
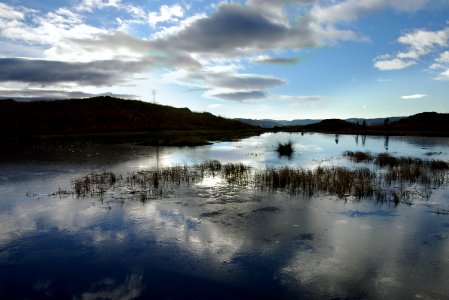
x=395, y=180
x=156, y=183
x=94, y=184
x=332, y=180
x=405, y=169
x=285, y=149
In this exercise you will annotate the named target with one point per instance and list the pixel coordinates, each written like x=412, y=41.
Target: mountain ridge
x=271, y=123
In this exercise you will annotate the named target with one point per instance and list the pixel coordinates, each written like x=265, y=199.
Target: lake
x=213, y=240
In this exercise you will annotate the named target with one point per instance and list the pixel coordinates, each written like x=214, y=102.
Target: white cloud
x=442, y=65
x=351, y=10
x=444, y=57
x=414, y=97
x=182, y=25
x=115, y=45
x=423, y=42
x=166, y=14
x=11, y=14
x=393, y=64
x=90, y=5
x=48, y=29
x=419, y=43
x=443, y=75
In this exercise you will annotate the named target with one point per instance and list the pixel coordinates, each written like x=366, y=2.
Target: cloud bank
x=211, y=51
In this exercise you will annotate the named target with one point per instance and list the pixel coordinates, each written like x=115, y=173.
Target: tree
x=364, y=125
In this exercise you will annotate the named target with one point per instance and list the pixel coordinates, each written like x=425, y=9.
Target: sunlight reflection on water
x=214, y=238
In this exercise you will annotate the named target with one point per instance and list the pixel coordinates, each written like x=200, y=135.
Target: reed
x=236, y=174
x=395, y=180
x=93, y=184
x=337, y=181
x=359, y=156
x=285, y=149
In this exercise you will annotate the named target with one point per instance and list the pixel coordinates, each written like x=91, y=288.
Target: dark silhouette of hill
x=327, y=125
x=423, y=122
x=373, y=121
x=270, y=123
x=330, y=125
x=42, y=125
x=103, y=115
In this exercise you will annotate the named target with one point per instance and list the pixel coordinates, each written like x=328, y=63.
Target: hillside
x=373, y=121
x=330, y=125
x=423, y=122
x=102, y=115
x=112, y=120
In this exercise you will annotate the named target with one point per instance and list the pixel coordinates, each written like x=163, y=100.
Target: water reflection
x=219, y=239
x=107, y=288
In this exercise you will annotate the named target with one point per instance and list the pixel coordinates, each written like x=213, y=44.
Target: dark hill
x=423, y=122
x=103, y=115
x=330, y=125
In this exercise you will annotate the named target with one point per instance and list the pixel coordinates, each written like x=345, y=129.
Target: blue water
x=213, y=241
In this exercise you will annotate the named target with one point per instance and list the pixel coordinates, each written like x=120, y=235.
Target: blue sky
x=279, y=59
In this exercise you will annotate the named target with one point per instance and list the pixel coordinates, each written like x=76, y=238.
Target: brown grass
x=395, y=180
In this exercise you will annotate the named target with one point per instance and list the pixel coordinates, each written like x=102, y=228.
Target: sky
x=260, y=59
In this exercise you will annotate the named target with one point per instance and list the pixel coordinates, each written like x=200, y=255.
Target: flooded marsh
x=395, y=179
x=230, y=220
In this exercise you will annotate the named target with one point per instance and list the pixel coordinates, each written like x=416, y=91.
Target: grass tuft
x=285, y=149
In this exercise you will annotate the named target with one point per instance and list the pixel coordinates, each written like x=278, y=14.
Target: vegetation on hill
x=330, y=125
x=269, y=123
x=427, y=121
x=103, y=114
x=425, y=124
x=112, y=119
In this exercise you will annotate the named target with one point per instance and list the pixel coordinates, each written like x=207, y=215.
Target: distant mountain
x=103, y=115
x=269, y=123
x=264, y=123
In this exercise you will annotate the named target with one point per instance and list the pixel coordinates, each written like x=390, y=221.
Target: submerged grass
x=332, y=180
x=285, y=149
x=94, y=184
x=395, y=180
x=387, y=160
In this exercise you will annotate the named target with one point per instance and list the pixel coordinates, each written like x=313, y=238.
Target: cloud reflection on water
x=326, y=246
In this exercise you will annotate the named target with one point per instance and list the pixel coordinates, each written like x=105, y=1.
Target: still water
x=215, y=241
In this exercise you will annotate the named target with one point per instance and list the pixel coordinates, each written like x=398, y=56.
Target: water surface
x=212, y=240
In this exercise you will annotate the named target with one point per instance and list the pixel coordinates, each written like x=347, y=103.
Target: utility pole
x=153, y=94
